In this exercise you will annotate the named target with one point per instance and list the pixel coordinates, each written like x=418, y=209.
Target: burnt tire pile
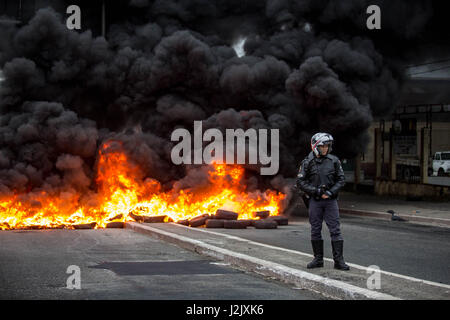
x=229, y=220
x=150, y=219
x=222, y=219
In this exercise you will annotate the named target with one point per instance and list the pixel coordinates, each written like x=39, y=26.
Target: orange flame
x=122, y=190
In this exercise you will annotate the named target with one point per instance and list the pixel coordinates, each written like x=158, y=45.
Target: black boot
x=317, y=262
x=338, y=257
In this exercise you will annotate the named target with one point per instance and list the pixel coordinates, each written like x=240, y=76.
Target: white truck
x=408, y=167
x=441, y=163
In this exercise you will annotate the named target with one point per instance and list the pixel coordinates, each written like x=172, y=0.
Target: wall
x=424, y=191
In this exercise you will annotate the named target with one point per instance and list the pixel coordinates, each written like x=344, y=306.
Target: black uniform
x=317, y=176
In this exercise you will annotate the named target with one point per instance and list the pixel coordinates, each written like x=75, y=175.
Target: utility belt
x=322, y=190
x=320, y=198
x=307, y=197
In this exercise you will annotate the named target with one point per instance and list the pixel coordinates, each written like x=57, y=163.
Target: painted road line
x=410, y=218
x=328, y=287
x=356, y=266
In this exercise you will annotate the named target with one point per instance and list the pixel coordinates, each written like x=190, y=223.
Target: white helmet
x=320, y=139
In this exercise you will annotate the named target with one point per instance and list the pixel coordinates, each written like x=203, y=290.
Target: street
x=122, y=264
x=413, y=250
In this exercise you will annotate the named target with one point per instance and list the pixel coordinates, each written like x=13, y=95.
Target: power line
x=442, y=68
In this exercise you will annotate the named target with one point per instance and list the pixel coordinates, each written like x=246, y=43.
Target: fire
x=122, y=189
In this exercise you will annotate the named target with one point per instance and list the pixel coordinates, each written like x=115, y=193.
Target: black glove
x=319, y=192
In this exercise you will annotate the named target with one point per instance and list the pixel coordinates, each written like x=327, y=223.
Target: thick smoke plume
x=309, y=66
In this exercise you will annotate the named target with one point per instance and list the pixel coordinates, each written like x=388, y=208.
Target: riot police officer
x=320, y=177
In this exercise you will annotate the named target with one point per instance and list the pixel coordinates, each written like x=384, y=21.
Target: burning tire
x=265, y=224
x=85, y=226
x=281, y=221
x=116, y=224
x=248, y=222
x=184, y=222
x=262, y=214
x=235, y=224
x=198, y=221
x=38, y=227
x=119, y=216
x=136, y=217
x=226, y=215
x=214, y=223
x=155, y=219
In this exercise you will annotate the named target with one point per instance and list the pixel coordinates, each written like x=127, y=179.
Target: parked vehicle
x=408, y=166
x=441, y=163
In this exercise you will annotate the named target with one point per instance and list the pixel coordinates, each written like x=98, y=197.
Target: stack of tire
x=150, y=219
x=229, y=220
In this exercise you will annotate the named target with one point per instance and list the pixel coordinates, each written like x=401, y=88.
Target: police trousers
x=328, y=210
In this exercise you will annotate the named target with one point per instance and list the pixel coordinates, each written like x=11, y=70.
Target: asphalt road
x=122, y=264
x=414, y=250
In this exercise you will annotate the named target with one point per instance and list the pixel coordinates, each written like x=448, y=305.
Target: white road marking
x=356, y=266
x=309, y=280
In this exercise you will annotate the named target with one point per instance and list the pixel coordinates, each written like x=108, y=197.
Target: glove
x=318, y=192
x=328, y=193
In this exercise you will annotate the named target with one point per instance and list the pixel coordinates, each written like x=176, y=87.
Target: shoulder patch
x=300, y=175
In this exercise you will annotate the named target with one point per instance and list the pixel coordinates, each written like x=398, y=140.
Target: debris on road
x=85, y=226
x=116, y=224
x=221, y=219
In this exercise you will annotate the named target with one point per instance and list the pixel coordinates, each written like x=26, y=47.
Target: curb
x=410, y=218
x=328, y=287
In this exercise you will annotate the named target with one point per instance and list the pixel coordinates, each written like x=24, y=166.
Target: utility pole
x=424, y=153
x=357, y=172
x=377, y=153
x=392, y=156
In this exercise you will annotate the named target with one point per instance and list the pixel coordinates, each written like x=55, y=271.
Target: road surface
x=415, y=250
x=121, y=264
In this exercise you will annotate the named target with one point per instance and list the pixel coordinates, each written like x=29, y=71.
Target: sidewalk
x=289, y=266
x=435, y=213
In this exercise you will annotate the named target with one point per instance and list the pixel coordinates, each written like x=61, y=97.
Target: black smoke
x=310, y=65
